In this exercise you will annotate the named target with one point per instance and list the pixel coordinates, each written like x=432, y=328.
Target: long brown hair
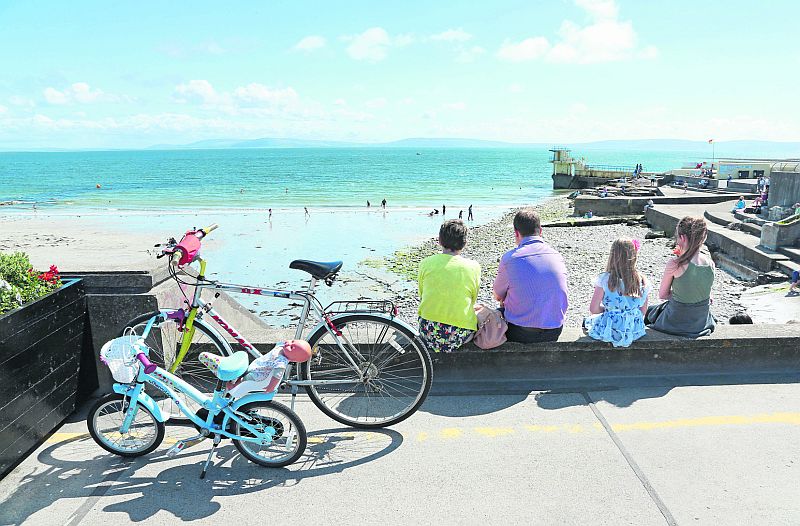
x=621, y=267
x=695, y=230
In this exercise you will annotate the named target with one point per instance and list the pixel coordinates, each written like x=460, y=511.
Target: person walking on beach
x=686, y=285
x=383, y=204
x=270, y=214
x=620, y=298
x=460, y=214
x=368, y=204
x=448, y=288
x=531, y=284
x=306, y=209
x=469, y=214
x=444, y=208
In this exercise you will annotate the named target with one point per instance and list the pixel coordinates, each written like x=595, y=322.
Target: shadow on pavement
x=78, y=469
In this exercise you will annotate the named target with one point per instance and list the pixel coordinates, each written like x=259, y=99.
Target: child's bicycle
x=368, y=368
x=129, y=423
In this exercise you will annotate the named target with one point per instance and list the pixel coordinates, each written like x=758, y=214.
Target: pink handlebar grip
x=149, y=366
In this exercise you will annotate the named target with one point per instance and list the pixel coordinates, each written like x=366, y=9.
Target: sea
x=165, y=192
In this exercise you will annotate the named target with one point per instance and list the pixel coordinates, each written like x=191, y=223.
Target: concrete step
x=792, y=253
x=787, y=267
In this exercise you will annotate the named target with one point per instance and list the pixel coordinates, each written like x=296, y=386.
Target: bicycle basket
x=119, y=355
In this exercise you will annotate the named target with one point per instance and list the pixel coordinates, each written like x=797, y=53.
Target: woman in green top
x=448, y=288
x=686, y=285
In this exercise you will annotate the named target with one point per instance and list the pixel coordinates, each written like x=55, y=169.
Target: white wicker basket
x=119, y=355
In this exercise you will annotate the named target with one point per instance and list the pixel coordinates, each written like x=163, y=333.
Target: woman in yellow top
x=448, y=288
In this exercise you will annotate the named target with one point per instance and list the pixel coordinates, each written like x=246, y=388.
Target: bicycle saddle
x=227, y=368
x=317, y=269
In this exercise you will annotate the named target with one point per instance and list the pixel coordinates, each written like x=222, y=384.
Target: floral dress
x=622, y=321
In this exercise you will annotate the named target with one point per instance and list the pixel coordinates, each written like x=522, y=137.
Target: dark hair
x=453, y=234
x=527, y=222
x=741, y=318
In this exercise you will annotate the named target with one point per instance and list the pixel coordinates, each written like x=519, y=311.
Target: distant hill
x=730, y=148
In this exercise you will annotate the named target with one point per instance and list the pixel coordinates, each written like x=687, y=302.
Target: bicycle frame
x=216, y=404
x=199, y=305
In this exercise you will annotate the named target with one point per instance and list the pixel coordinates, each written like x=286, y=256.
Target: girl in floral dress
x=620, y=298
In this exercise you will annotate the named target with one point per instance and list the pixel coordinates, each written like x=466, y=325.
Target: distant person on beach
x=686, y=285
x=270, y=213
x=443, y=210
x=685, y=187
x=740, y=204
x=794, y=285
x=306, y=209
x=383, y=203
x=368, y=205
x=448, y=288
x=434, y=212
x=531, y=284
x=650, y=204
x=460, y=214
x=620, y=296
x=469, y=214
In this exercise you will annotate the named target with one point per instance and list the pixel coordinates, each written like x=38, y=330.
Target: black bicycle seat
x=317, y=269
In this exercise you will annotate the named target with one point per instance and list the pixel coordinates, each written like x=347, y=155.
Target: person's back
x=531, y=283
x=448, y=289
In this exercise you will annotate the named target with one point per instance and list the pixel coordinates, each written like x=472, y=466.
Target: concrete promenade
x=640, y=449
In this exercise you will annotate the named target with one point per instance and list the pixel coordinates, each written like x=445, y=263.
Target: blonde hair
x=621, y=268
x=695, y=230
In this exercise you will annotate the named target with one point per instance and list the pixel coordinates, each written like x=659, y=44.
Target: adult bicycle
x=368, y=368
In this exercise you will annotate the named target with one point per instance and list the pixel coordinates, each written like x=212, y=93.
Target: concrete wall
x=604, y=206
x=774, y=235
x=784, y=188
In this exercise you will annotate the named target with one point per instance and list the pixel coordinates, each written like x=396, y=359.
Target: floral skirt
x=441, y=337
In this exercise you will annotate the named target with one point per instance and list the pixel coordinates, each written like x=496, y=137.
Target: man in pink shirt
x=531, y=284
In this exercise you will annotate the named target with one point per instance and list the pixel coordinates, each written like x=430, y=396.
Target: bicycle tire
x=100, y=435
x=400, y=369
x=190, y=370
x=291, y=433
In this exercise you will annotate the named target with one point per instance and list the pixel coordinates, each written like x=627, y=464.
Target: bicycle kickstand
x=294, y=396
x=217, y=440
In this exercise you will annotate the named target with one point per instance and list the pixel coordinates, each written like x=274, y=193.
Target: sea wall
x=605, y=206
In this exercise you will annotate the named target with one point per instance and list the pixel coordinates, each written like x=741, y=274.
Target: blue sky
x=112, y=74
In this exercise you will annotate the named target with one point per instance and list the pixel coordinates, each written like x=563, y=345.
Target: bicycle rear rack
x=368, y=306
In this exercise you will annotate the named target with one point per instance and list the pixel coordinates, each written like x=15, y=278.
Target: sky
x=100, y=74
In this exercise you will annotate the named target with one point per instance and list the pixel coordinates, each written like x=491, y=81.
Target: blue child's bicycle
x=130, y=423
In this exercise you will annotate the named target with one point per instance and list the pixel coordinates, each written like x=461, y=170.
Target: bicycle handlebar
x=149, y=366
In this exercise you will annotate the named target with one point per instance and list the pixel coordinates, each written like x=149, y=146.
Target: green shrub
x=20, y=283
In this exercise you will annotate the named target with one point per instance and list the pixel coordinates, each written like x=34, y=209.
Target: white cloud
x=605, y=39
x=53, y=96
x=599, y=9
x=452, y=35
x=528, y=49
x=371, y=45
x=197, y=91
x=377, y=103
x=79, y=92
x=310, y=43
x=261, y=94
x=470, y=54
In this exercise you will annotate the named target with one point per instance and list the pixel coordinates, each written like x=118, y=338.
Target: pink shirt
x=532, y=281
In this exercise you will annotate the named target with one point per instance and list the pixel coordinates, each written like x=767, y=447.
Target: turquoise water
x=164, y=193
x=278, y=178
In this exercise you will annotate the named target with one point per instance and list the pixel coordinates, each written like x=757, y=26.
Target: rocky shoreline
x=585, y=250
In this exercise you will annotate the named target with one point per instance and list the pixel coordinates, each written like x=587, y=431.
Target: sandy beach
x=375, y=270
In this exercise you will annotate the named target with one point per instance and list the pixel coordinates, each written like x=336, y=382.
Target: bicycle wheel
x=164, y=341
x=289, y=434
x=392, y=378
x=105, y=418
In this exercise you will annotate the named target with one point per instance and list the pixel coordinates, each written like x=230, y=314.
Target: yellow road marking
x=453, y=433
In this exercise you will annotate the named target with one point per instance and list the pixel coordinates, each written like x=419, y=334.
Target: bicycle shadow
x=142, y=487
